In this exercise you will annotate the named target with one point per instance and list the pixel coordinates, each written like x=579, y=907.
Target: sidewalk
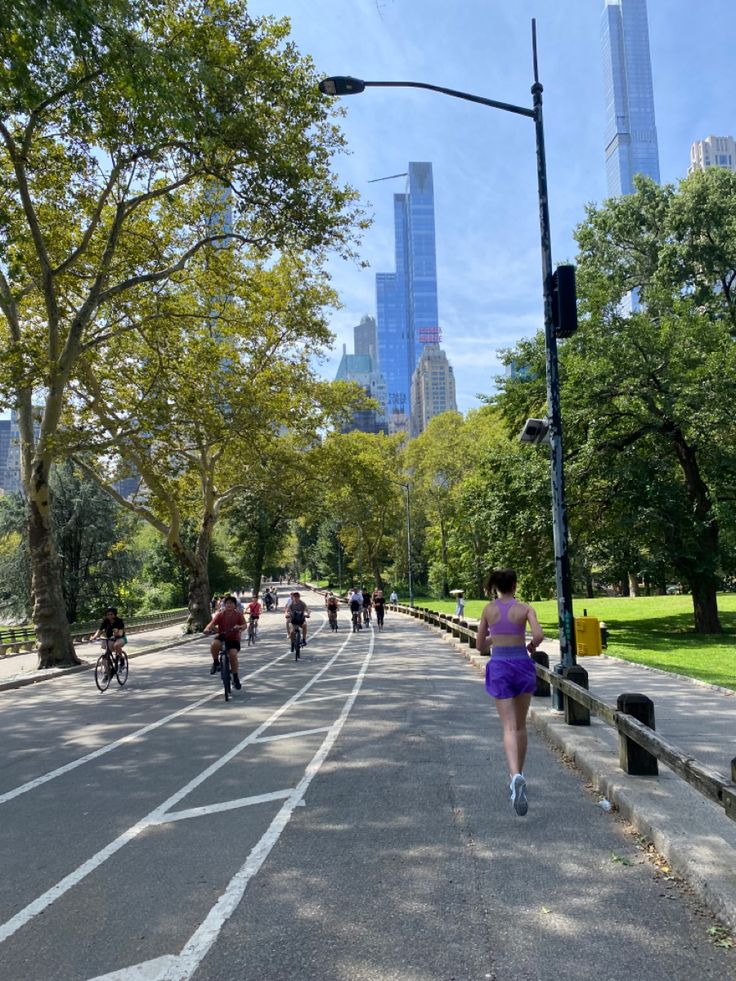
x=690, y=831
x=20, y=669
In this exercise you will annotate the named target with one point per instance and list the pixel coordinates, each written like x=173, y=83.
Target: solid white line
x=109, y=747
x=198, y=945
x=228, y=805
x=43, y=901
x=292, y=735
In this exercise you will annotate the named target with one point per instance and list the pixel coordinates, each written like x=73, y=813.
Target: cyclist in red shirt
x=229, y=623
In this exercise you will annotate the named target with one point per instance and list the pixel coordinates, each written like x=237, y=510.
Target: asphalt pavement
x=344, y=817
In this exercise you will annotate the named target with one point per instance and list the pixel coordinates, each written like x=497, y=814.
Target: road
x=343, y=817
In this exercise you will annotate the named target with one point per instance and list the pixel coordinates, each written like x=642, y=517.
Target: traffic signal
x=564, y=301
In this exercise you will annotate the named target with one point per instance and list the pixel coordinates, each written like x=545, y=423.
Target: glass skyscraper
x=631, y=132
x=406, y=300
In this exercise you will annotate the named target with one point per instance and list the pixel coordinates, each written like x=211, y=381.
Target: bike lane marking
x=131, y=736
x=155, y=816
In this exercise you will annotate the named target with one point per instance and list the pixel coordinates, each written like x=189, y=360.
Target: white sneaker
x=518, y=794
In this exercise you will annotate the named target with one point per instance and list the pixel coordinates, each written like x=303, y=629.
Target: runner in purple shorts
x=510, y=675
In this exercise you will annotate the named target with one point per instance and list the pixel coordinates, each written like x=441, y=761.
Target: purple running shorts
x=511, y=673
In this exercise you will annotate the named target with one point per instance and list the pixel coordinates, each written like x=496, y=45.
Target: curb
x=51, y=674
x=706, y=861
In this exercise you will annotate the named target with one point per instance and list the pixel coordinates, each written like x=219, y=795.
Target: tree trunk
x=589, y=591
x=53, y=638
x=259, y=557
x=195, y=562
x=200, y=613
x=633, y=584
x=705, y=607
x=707, y=535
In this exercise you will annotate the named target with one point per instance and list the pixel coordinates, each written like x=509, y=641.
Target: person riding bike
x=268, y=600
x=229, y=623
x=355, y=602
x=254, y=610
x=112, y=627
x=331, y=605
x=296, y=615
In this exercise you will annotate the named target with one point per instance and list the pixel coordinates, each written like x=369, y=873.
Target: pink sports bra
x=503, y=626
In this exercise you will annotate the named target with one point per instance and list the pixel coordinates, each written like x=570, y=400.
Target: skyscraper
x=432, y=388
x=406, y=300
x=714, y=151
x=631, y=132
x=364, y=338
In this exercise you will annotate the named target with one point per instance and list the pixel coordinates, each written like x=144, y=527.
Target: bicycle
x=357, y=625
x=252, y=630
x=111, y=663
x=366, y=615
x=296, y=640
x=225, y=672
x=332, y=618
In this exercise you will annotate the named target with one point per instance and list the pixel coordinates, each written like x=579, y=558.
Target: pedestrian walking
x=510, y=674
x=460, y=608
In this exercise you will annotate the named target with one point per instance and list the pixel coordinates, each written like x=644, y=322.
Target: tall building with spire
x=406, y=300
x=631, y=131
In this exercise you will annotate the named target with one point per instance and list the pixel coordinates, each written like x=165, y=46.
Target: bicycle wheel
x=102, y=672
x=121, y=665
x=225, y=673
x=251, y=634
x=297, y=643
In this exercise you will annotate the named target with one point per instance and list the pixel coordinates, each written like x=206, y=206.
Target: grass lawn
x=653, y=630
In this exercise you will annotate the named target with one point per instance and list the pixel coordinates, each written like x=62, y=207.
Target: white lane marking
x=198, y=945
x=321, y=698
x=293, y=735
x=43, y=901
x=227, y=805
x=147, y=971
x=109, y=747
x=342, y=677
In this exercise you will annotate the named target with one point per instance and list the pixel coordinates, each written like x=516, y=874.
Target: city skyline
x=484, y=164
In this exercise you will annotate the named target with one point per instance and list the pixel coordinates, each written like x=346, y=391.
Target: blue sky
x=488, y=259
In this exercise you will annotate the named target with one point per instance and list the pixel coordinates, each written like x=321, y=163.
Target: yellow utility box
x=588, y=636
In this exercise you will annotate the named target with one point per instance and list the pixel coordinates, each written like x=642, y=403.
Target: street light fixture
x=347, y=85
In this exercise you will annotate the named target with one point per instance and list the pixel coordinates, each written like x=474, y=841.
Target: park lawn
x=653, y=630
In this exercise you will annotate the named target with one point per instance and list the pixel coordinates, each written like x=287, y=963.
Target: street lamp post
x=346, y=85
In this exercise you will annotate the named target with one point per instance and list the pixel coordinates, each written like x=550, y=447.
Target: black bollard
x=542, y=691
x=575, y=713
x=558, y=701
x=633, y=758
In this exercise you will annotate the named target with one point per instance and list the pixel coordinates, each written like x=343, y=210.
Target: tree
x=133, y=137
x=664, y=376
x=92, y=538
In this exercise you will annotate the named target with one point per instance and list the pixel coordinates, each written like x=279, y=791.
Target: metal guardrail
x=710, y=783
x=15, y=640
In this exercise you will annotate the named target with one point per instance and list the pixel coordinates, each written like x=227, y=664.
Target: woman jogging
x=510, y=675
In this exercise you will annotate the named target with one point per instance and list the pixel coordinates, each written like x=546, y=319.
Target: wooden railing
x=14, y=640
